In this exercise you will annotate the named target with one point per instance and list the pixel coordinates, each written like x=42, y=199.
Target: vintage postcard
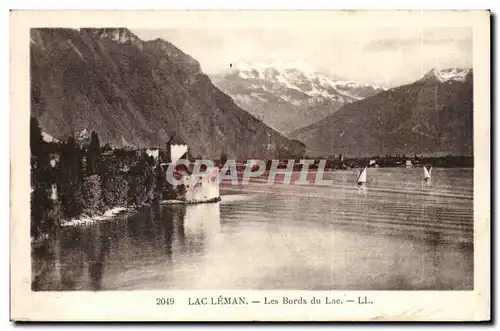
x=250, y=165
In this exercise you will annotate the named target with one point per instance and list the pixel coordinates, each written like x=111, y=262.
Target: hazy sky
x=384, y=56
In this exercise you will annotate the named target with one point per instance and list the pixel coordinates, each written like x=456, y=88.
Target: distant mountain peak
x=288, y=95
x=432, y=115
x=296, y=76
x=277, y=66
x=449, y=74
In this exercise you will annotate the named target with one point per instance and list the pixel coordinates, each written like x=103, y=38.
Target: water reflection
x=286, y=237
x=40, y=269
x=202, y=221
x=93, y=257
x=362, y=191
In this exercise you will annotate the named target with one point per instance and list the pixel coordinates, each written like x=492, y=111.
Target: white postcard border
x=141, y=305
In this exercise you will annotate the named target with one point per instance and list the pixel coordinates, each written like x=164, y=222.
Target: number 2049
x=164, y=301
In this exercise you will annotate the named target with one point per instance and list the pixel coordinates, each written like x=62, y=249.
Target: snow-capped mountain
x=433, y=115
x=287, y=97
x=447, y=75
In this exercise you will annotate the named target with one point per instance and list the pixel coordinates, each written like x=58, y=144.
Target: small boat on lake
x=361, y=181
x=427, y=174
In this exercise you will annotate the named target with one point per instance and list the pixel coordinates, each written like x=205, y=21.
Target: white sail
x=362, y=177
x=427, y=173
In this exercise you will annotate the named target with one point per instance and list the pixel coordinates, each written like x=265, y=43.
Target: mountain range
x=433, y=115
x=288, y=98
x=139, y=94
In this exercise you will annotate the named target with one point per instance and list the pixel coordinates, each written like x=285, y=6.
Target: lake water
x=396, y=234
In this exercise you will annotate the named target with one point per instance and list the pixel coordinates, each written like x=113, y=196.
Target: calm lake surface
x=396, y=234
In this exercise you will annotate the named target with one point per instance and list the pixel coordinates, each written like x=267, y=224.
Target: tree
x=92, y=195
x=223, y=159
x=189, y=156
x=93, y=154
x=114, y=190
x=71, y=179
x=36, y=138
x=160, y=183
x=40, y=181
x=54, y=216
x=150, y=161
x=40, y=208
x=141, y=182
x=163, y=189
x=166, y=155
x=133, y=190
x=149, y=184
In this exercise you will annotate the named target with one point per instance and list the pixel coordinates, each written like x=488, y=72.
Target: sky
x=385, y=57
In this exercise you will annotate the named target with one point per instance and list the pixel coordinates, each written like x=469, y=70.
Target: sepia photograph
x=317, y=158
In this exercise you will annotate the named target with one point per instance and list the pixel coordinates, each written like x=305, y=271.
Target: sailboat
x=427, y=174
x=362, y=177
